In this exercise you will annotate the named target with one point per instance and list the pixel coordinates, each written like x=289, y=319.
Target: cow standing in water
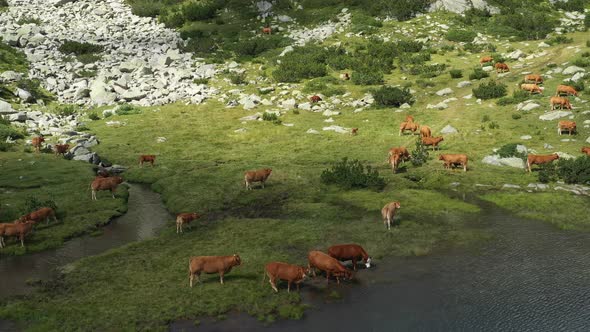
x=350, y=252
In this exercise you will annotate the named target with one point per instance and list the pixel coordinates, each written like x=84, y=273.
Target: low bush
x=587, y=25
x=77, y=48
x=409, y=46
x=560, y=39
x=353, y=175
x=3, y=3
x=271, y=117
x=490, y=90
x=518, y=96
x=461, y=35
x=66, y=110
x=390, y=96
x=419, y=154
x=255, y=46
x=127, y=109
x=237, y=78
x=510, y=150
x=7, y=130
x=302, y=62
x=570, y=5
x=477, y=48
x=456, y=73
x=428, y=71
x=198, y=11
x=569, y=170
x=478, y=74
x=88, y=58
x=516, y=116
x=367, y=76
x=581, y=62
x=93, y=116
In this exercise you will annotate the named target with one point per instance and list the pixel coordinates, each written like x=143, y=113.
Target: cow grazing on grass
x=260, y=175
x=532, y=88
x=277, y=271
x=147, y=158
x=501, y=67
x=185, y=218
x=402, y=151
x=535, y=159
x=533, y=78
x=451, y=160
x=37, y=216
x=211, y=264
x=266, y=31
x=411, y=126
x=323, y=262
x=561, y=101
x=20, y=230
x=394, y=161
x=425, y=131
x=586, y=150
x=350, y=252
x=567, y=90
x=315, y=98
x=36, y=142
x=354, y=131
x=566, y=125
x=388, y=212
x=109, y=183
x=432, y=141
x=61, y=149
x=485, y=59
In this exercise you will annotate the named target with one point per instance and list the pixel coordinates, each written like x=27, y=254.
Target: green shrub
x=353, y=175
x=523, y=21
x=578, y=85
x=77, y=48
x=255, y=46
x=302, y=62
x=547, y=173
x=127, y=109
x=362, y=20
x=570, y=5
x=478, y=74
x=172, y=18
x=581, y=62
x=86, y=73
x=493, y=125
x=477, y=48
x=485, y=118
x=93, y=116
x=456, y=73
x=585, y=55
x=237, y=78
x=3, y=3
x=419, y=154
x=560, y=39
x=424, y=83
x=574, y=170
x=390, y=96
x=509, y=150
x=66, y=110
x=7, y=130
x=272, y=117
x=409, y=46
x=428, y=71
x=338, y=59
x=587, y=25
x=201, y=81
x=517, y=97
x=198, y=11
x=516, y=116
x=461, y=35
x=490, y=90
x=367, y=76
x=88, y=58
x=151, y=8
x=28, y=20
x=400, y=9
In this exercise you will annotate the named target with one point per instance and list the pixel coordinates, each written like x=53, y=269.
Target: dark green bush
x=7, y=130
x=560, y=39
x=237, y=78
x=77, y=48
x=456, y=73
x=524, y=21
x=201, y=81
x=390, y=96
x=172, y=19
x=587, y=25
x=570, y=5
x=127, y=109
x=271, y=117
x=517, y=97
x=257, y=45
x=353, y=175
x=93, y=116
x=198, y=11
x=302, y=62
x=490, y=90
x=461, y=35
x=581, y=62
x=509, y=150
x=151, y=8
x=66, y=110
x=478, y=74
x=409, y=46
x=547, y=173
x=428, y=71
x=419, y=154
x=3, y=3
x=574, y=170
x=477, y=48
x=338, y=59
x=367, y=76
x=362, y=20
x=516, y=116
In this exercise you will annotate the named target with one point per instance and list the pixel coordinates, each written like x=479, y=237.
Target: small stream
x=144, y=218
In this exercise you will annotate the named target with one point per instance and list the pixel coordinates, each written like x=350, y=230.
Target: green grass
x=66, y=183
x=12, y=59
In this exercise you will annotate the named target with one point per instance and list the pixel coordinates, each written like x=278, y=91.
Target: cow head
x=194, y=215
x=237, y=260
x=441, y=157
x=397, y=205
x=267, y=171
x=440, y=139
x=555, y=156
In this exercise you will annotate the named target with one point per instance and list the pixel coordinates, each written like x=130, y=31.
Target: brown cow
x=533, y=78
x=501, y=67
x=323, y=262
x=532, y=88
x=586, y=150
x=409, y=118
x=260, y=175
x=17, y=229
x=451, y=160
x=354, y=131
x=565, y=125
x=425, y=131
x=283, y=271
x=211, y=264
x=485, y=59
x=432, y=141
x=61, y=149
x=394, y=161
x=109, y=183
x=402, y=151
x=568, y=90
x=36, y=143
x=39, y=215
x=147, y=158
x=388, y=212
x=350, y=252
x=315, y=98
x=266, y=30
x=561, y=101
x=185, y=218
x=408, y=126
x=533, y=159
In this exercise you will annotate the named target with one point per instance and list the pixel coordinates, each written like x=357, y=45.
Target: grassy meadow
x=200, y=168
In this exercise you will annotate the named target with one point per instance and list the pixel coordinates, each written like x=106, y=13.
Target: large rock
x=572, y=70
x=6, y=108
x=512, y=162
x=100, y=93
x=527, y=106
x=448, y=129
x=554, y=115
x=459, y=6
x=337, y=129
x=10, y=76
x=444, y=92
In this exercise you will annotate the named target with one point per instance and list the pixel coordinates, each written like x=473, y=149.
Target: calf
x=36, y=216
x=283, y=271
x=533, y=159
x=260, y=175
x=388, y=212
x=532, y=88
x=411, y=126
x=394, y=161
x=36, y=143
x=61, y=149
x=501, y=67
x=567, y=90
x=451, y=160
x=147, y=158
x=315, y=98
x=485, y=59
x=323, y=262
x=425, y=131
x=432, y=141
x=211, y=264
x=566, y=125
x=354, y=131
x=586, y=150
x=266, y=30
x=109, y=183
x=21, y=230
x=350, y=252
x=561, y=101
x=185, y=218
x=534, y=78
